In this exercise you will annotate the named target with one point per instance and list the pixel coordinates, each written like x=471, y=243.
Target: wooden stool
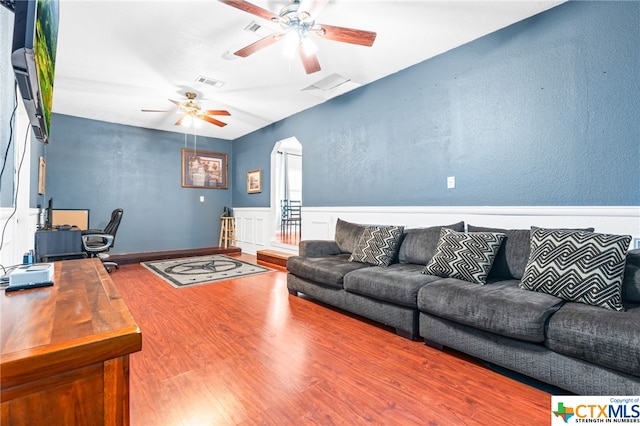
x=227, y=232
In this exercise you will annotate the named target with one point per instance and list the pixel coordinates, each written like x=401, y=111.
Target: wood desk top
x=79, y=321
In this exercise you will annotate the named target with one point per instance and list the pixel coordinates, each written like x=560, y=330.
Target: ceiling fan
x=298, y=22
x=193, y=110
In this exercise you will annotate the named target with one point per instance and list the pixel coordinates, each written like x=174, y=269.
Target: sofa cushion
x=512, y=257
x=631, y=281
x=514, y=254
x=604, y=337
x=419, y=244
x=398, y=283
x=498, y=307
x=328, y=271
x=378, y=245
x=466, y=256
x=318, y=248
x=577, y=266
x=347, y=235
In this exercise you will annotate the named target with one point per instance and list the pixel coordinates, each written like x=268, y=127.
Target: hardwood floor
x=245, y=352
x=292, y=238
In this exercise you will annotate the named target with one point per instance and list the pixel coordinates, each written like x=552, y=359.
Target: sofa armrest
x=318, y=248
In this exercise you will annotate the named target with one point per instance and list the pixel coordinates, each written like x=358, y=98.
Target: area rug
x=187, y=271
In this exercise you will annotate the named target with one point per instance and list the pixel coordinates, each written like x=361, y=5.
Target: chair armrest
x=318, y=248
x=97, y=242
x=92, y=231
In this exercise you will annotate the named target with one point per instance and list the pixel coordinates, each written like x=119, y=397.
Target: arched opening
x=286, y=192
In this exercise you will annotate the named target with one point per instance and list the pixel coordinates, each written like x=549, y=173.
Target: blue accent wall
x=544, y=112
x=7, y=104
x=102, y=166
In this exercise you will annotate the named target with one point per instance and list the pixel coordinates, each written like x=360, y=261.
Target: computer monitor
x=49, y=215
x=78, y=218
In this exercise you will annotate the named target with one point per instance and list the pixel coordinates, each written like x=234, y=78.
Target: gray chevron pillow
x=378, y=245
x=578, y=266
x=466, y=256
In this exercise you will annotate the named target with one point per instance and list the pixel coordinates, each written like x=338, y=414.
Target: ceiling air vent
x=209, y=81
x=258, y=29
x=331, y=86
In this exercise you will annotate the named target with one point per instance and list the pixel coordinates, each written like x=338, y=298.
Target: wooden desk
x=64, y=350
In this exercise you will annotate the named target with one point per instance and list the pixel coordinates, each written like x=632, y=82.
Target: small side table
x=227, y=232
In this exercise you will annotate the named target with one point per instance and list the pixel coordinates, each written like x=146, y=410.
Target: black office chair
x=97, y=242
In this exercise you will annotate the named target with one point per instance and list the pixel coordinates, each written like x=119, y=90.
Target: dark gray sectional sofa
x=585, y=349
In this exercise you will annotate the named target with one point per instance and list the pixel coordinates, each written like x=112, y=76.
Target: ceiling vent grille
x=253, y=27
x=328, y=83
x=209, y=81
x=331, y=86
x=258, y=29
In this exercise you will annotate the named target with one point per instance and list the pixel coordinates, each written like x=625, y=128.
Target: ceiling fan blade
x=309, y=62
x=260, y=44
x=213, y=121
x=175, y=102
x=156, y=110
x=346, y=35
x=251, y=8
x=311, y=8
x=179, y=122
x=216, y=112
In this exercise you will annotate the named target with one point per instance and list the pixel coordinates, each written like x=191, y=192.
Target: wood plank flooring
x=245, y=352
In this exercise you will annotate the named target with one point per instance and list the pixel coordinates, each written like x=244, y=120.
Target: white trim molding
x=256, y=230
x=19, y=234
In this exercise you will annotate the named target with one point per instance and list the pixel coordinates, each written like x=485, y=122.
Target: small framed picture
x=254, y=181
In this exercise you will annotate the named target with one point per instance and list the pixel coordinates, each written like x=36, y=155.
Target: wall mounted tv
x=35, y=37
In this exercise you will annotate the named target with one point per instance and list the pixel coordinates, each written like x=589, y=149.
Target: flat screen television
x=35, y=38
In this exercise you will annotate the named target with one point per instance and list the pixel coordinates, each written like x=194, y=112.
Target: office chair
x=97, y=242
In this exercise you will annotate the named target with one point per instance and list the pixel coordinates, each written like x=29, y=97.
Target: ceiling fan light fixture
x=291, y=40
x=187, y=121
x=309, y=47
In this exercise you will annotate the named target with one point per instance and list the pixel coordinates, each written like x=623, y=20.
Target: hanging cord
x=195, y=136
x=17, y=188
x=13, y=115
x=6, y=157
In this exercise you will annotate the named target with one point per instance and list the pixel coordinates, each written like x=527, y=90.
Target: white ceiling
x=116, y=57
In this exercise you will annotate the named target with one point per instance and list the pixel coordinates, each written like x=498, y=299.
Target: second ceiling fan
x=190, y=109
x=298, y=22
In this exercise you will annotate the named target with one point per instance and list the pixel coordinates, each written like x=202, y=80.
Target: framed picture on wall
x=204, y=169
x=254, y=181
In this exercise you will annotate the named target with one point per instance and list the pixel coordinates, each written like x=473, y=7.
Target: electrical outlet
x=451, y=182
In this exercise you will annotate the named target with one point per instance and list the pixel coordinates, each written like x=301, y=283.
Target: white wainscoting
x=256, y=230
x=18, y=235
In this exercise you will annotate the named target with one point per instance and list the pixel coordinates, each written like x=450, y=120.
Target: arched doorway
x=286, y=192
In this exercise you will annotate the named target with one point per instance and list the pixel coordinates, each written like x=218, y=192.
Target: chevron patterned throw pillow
x=466, y=256
x=378, y=245
x=578, y=266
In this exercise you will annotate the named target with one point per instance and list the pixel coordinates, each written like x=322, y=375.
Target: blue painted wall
x=7, y=104
x=544, y=112
x=102, y=166
x=10, y=135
